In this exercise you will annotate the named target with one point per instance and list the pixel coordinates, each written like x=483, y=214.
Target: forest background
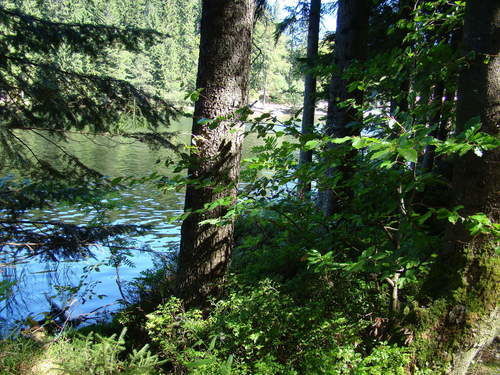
x=384, y=258
x=169, y=68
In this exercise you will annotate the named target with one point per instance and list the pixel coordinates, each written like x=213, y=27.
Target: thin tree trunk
x=350, y=46
x=437, y=101
x=400, y=104
x=310, y=87
x=442, y=98
x=223, y=70
x=470, y=259
x=264, y=94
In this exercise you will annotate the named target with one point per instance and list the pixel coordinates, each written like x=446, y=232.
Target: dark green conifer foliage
x=41, y=96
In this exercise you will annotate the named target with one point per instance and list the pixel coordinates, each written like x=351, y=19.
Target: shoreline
x=278, y=110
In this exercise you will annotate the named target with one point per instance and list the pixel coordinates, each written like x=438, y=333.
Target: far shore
x=284, y=110
x=280, y=111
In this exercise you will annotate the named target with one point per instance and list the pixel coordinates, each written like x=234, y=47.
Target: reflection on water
x=36, y=281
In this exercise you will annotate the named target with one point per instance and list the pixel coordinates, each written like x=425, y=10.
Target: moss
x=451, y=324
x=437, y=338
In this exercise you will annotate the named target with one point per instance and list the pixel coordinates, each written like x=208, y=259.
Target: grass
x=18, y=356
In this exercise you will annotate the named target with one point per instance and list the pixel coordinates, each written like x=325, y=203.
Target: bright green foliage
x=100, y=355
x=263, y=330
x=383, y=228
x=71, y=353
x=383, y=360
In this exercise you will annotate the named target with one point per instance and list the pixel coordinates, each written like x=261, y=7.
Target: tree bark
x=310, y=87
x=350, y=46
x=223, y=71
x=471, y=259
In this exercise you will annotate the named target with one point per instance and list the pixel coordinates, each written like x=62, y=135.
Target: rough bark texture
x=310, y=86
x=476, y=185
x=350, y=46
x=223, y=70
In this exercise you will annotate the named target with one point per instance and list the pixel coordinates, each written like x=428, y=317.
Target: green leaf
x=312, y=144
x=453, y=217
x=422, y=219
x=229, y=364
x=358, y=143
x=212, y=344
x=340, y=140
x=382, y=154
x=409, y=154
x=199, y=363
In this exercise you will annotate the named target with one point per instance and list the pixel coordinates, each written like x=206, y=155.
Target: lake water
x=143, y=204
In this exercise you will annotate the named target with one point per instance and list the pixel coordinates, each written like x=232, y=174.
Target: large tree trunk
x=350, y=46
x=473, y=277
x=223, y=70
x=310, y=86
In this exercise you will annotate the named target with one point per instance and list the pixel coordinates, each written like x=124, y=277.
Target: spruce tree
x=217, y=137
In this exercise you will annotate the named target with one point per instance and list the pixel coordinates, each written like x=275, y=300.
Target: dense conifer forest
x=325, y=172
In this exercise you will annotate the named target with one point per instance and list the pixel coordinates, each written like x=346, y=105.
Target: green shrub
x=98, y=355
x=346, y=360
x=263, y=331
x=176, y=332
